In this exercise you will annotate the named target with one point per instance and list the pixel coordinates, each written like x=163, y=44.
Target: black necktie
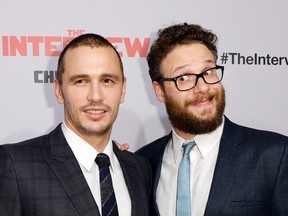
x=109, y=205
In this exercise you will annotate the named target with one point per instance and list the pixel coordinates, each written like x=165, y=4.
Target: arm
x=280, y=196
x=9, y=194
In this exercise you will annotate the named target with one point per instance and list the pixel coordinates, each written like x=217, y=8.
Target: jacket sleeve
x=280, y=196
x=9, y=192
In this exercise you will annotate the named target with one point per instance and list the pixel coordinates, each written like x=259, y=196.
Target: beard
x=188, y=122
x=88, y=127
x=90, y=130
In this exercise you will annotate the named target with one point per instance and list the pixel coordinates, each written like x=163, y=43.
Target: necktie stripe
x=108, y=200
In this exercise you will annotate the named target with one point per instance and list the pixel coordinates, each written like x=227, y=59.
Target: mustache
x=200, y=99
x=93, y=105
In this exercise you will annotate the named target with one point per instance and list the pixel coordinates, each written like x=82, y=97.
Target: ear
x=123, y=91
x=158, y=89
x=58, y=92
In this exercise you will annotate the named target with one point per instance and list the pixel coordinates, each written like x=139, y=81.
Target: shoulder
x=253, y=136
x=268, y=141
x=22, y=157
x=155, y=146
x=255, y=133
x=133, y=163
x=27, y=146
x=129, y=158
x=34, y=146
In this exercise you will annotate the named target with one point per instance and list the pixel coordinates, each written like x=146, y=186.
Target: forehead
x=85, y=58
x=194, y=56
x=82, y=53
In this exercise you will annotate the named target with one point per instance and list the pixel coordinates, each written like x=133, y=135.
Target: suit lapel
x=66, y=168
x=130, y=178
x=226, y=167
x=156, y=164
x=134, y=184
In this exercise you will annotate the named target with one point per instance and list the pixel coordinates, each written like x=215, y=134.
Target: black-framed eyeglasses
x=186, y=82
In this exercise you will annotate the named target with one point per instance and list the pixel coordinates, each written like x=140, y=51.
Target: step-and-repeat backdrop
x=252, y=47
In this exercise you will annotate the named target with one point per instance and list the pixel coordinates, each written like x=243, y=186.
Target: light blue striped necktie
x=183, y=184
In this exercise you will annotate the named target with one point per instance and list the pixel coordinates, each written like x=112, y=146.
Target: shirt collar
x=83, y=151
x=204, y=142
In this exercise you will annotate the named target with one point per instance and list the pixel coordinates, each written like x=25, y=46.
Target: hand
x=122, y=147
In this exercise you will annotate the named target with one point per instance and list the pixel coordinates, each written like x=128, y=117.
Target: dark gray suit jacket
x=251, y=174
x=42, y=177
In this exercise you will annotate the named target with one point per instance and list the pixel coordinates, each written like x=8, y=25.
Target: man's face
x=200, y=109
x=92, y=90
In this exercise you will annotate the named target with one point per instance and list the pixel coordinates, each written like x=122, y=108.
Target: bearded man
x=228, y=169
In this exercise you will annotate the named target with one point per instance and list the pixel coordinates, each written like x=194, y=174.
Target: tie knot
x=102, y=160
x=188, y=147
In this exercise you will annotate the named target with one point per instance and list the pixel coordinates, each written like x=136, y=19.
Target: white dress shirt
x=202, y=158
x=85, y=155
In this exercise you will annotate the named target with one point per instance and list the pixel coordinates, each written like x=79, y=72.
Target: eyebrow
x=77, y=76
x=111, y=75
x=183, y=66
x=107, y=75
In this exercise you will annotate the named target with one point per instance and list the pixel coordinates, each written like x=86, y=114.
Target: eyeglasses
x=186, y=82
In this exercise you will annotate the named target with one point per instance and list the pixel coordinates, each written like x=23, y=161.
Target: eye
x=186, y=78
x=80, y=82
x=210, y=72
x=108, y=81
x=183, y=78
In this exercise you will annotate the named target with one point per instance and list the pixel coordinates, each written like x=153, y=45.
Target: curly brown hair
x=170, y=37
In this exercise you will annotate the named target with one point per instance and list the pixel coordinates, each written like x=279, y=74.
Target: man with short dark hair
x=77, y=169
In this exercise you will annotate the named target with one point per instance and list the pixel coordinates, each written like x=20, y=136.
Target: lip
x=203, y=103
x=95, y=114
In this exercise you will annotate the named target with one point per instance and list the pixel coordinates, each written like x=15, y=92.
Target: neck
x=98, y=142
x=184, y=135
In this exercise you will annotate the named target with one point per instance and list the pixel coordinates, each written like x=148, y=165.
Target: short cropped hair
x=90, y=40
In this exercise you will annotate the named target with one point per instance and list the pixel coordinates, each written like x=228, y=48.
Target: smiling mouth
x=95, y=112
x=202, y=101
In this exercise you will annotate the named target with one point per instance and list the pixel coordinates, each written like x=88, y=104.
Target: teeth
x=95, y=111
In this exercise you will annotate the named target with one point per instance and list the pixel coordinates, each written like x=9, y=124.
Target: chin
x=206, y=114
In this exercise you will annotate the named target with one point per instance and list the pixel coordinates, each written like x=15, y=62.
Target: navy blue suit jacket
x=41, y=177
x=251, y=174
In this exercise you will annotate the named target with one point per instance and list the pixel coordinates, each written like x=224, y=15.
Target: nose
x=201, y=86
x=95, y=93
